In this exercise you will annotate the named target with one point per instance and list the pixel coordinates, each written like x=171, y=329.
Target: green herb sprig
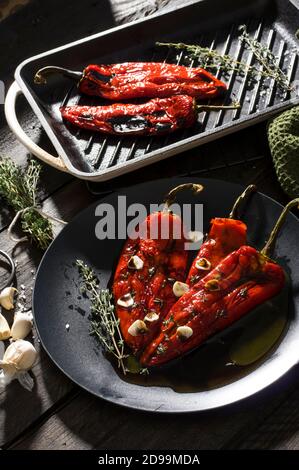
x=19, y=188
x=104, y=324
x=266, y=58
x=212, y=59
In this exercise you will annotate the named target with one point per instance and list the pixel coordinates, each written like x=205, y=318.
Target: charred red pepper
x=155, y=117
x=146, y=271
x=225, y=235
x=243, y=280
x=142, y=80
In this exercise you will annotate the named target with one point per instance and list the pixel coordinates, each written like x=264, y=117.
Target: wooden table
x=58, y=414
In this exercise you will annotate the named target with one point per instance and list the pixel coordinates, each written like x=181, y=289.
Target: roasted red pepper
x=225, y=235
x=243, y=280
x=155, y=117
x=142, y=80
x=145, y=274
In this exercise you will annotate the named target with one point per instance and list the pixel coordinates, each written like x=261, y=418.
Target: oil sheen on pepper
x=228, y=356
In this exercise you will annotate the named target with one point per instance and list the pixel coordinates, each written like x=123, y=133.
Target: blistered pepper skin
x=225, y=235
x=164, y=261
x=241, y=282
x=155, y=117
x=148, y=80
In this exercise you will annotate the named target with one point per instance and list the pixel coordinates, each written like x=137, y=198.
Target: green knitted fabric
x=283, y=135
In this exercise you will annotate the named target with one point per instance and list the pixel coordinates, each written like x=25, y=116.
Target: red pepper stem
x=234, y=213
x=170, y=197
x=41, y=74
x=273, y=235
x=208, y=107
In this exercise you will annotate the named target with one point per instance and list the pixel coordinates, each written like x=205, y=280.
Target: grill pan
x=210, y=23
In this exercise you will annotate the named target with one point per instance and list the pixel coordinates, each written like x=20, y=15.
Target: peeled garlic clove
x=151, y=317
x=135, y=263
x=203, y=264
x=184, y=332
x=7, y=298
x=137, y=328
x=19, y=356
x=180, y=288
x=4, y=328
x=126, y=301
x=21, y=326
x=212, y=285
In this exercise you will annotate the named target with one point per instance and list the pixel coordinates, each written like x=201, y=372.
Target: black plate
x=186, y=385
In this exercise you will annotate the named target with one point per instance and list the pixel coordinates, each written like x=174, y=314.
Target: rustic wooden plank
x=279, y=431
x=63, y=418
x=89, y=423
x=19, y=408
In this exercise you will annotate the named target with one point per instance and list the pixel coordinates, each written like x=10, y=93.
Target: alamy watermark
x=177, y=222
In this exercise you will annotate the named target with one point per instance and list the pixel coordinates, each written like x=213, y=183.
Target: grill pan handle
x=12, y=120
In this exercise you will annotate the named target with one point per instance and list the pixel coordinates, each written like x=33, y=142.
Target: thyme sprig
x=212, y=59
x=266, y=58
x=104, y=324
x=19, y=188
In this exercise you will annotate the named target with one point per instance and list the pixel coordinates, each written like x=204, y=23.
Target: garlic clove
x=151, y=317
x=184, y=332
x=4, y=328
x=135, y=263
x=22, y=325
x=7, y=298
x=203, y=264
x=137, y=328
x=25, y=380
x=180, y=288
x=19, y=356
x=126, y=301
x=212, y=285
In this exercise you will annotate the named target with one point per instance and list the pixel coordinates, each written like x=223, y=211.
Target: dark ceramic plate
x=199, y=381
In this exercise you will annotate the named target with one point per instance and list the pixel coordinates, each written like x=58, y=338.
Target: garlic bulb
x=7, y=298
x=180, y=288
x=137, y=328
x=22, y=325
x=19, y=356
x=4, y=328
x=184, y=332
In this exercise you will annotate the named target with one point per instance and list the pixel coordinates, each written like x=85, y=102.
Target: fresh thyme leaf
x=169, y=320
x=104, y=324
x=266, y=58
x=19, y=188
x=212, y=59
x=161, y=349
